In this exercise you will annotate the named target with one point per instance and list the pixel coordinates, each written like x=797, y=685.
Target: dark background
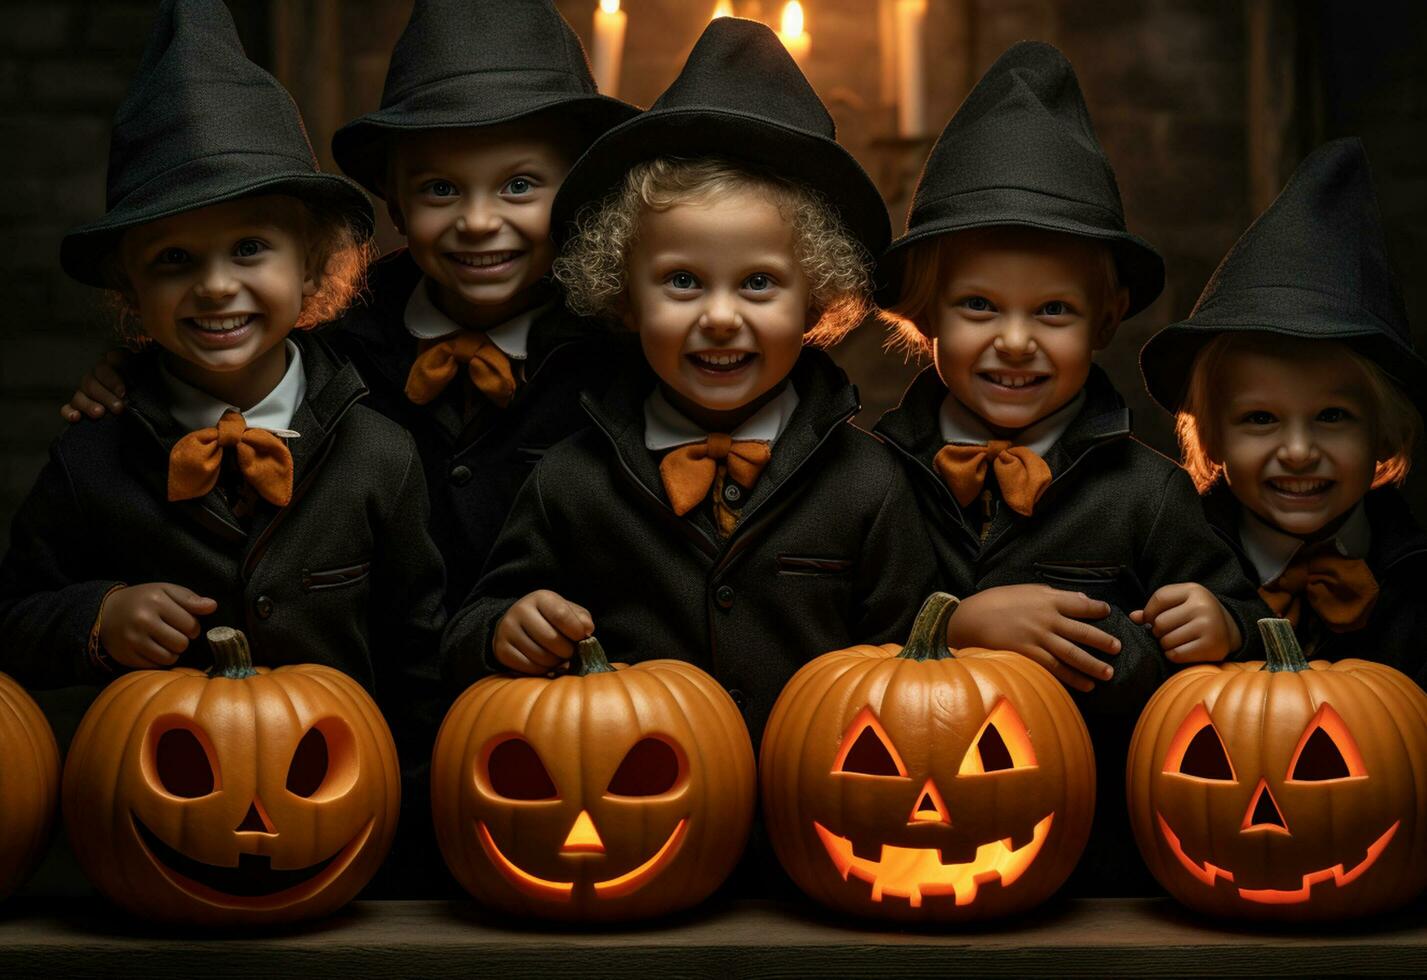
x=1204, y=107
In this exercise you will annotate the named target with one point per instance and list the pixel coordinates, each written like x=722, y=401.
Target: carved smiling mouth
x=253, y=877
x=1207, y=872
x=914, y=872
x=561, y=891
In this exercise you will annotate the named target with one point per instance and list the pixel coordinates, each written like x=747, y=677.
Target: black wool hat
x=740, y=97
x=201, y=124
x=1313, y=266
x=467, y=63
x=1021, y=151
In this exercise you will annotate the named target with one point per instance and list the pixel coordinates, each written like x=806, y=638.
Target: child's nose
x=1016, y=338
x=720, y=319
x=1298, y=448
x=478, y=218
x=216, y=281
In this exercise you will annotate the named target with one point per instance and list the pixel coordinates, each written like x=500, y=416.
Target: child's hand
x=539, y=632
x=1192, y=626
x=150, y=625
x=1044, y=624
x=99, y=391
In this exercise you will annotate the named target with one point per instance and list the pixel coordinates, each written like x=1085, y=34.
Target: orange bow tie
x=690, y=473
x=263, y=459
x=436, y=366
x=1020, y=473
x=1341, y=591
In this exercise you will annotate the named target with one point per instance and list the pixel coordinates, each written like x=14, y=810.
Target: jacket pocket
x=1107, y=581
x=813, y=565
x=335, y=578
x=530, y=455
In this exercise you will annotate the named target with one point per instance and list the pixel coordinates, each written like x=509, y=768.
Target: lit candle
x=795, y=39
x=609, y=45
x=911, y=18
x=724, y=8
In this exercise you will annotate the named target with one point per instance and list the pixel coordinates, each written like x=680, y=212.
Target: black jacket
x=829, y=550
x=474, y=466
x=1117, y=522
x=345, y=575
x=1397, y=556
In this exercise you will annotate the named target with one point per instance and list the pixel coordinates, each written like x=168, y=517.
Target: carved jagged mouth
x=1207, y=872
x=915, y=872
x=253, y=877
x=561, y=891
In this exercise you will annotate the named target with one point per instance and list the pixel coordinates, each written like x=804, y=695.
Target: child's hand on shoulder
x=1045, y=624
x=101, y=390
x=144, y=626
x=539, y=632
x=1192, y=626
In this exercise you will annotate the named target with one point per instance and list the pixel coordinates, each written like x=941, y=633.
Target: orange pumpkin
x=1285, y=789
x=908, y=783
x=610, y=792
x=29, y=784
x=238, y=796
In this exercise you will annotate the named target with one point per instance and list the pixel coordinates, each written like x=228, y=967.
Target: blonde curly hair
x=591, y=266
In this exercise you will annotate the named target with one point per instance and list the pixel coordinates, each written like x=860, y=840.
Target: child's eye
x=758, y=282
x=1334, y=415
x=439, y=188
x=1055, y=308
x=977, y=304
x=171, y=256
x=682, y=280
x=1258, y=418
x=249, y=247
x=519, y=186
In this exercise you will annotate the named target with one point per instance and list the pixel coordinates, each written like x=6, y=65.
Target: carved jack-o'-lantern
x=1284, y=790
x=29, y=784
x=605, y=793
x=914, y=784
x=234, y=797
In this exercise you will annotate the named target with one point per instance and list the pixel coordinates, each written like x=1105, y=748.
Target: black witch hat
x=1021, y=151
x=741, y=97
x=1313, y=266
x=466, y=63
x=201, y=124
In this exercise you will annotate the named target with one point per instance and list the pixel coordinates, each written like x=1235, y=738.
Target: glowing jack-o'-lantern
x=908, y=783
x=29, y=784
x=609, y=792
x=1283, y=789
x=243, y=795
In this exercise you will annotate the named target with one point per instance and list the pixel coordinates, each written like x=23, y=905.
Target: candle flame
x=792, y=18
x=610, y=6
x=724, y=8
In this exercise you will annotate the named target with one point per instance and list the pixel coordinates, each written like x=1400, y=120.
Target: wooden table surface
x=454, y=939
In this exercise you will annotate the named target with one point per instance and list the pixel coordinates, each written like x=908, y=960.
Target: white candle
x=911, y=18
x=797, y=40
x=609, y=45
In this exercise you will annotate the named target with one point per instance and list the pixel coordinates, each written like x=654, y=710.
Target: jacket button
x=263, y=606
x=732, y=494
x=723, y=595
x=460, y=475
x=738, y=698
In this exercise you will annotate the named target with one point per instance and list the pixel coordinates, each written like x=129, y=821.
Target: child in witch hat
x=462, y=336
x=1298, y=395
x=1074, y=543
x=243, y=486
x=721, y=509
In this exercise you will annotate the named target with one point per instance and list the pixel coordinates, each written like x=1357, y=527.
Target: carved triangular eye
x=515, y=771
x=866, y=749
x=1003, y=743
x=650, y=768
x=1326, y=751
x=1197, y=751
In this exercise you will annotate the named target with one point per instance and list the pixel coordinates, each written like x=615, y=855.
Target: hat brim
x=1167, y=358
x=360, y=147
x=1139, y=266
x=808, y=158
x=192, y=186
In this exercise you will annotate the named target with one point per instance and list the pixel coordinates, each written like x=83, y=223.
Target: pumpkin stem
x=232, y=657
x=590, y=659
x=1281, y=645
x=928, y=639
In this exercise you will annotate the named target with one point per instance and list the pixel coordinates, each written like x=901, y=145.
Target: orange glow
x=1195, y=721
x=1248, y=823
x=561, y=891
x=1013, y=733
x=914, y=872
x=550, y=891
x=633, y=880
x=1207, y=873
x=610, y=6
x=724, y=8
x=866, y=719
x=583, y=838
x=934, y=810
x=1332, y=723
x=792, y=19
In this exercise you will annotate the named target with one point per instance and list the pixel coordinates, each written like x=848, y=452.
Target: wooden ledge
x=454, y=939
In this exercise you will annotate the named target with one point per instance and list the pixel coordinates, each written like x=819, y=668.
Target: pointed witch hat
x=1313, y=266
x=1021, y=151
x=201, y=124
x=467, y=63
x=741, y=97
